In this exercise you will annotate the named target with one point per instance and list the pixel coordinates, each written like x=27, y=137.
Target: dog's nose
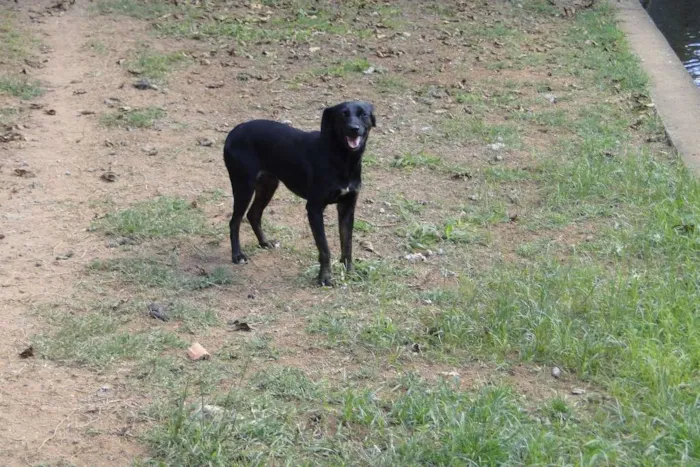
x=355, y=128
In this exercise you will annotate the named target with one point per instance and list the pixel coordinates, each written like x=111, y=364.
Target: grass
x=155, y=65
x=98, y=341
x=204, y=22
x=412, y=161
x=161, y=217
x=153, y=273
x=475, y=129
x=137, y=118
x=16, y=44
x=617, y=312
x=293, y=419
x=8, y=115
x=135, y=8
x=20, y=87
x=345, y=67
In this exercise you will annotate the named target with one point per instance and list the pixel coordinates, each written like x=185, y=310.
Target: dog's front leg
x=315, y=212
x=346, y=220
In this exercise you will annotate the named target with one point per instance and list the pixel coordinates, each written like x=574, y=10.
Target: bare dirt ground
x=52, y=412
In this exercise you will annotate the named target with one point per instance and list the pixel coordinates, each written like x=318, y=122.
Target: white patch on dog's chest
x=344, y=191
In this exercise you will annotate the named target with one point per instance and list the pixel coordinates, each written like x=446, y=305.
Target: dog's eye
x=361, y=113
x=346, y=113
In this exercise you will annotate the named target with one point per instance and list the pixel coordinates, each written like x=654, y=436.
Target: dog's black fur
x=322, y=167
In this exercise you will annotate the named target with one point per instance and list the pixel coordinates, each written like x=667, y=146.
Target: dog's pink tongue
x=354, y=142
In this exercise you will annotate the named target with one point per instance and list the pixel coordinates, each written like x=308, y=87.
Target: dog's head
x=349, y=123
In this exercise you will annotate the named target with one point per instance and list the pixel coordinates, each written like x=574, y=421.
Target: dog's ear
x=370, y=109
x=327, y=120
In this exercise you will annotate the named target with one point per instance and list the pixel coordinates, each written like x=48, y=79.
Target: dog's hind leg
x=265, y=187
x=242, y=194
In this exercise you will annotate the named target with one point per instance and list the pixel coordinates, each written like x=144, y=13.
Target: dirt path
x=43, y=217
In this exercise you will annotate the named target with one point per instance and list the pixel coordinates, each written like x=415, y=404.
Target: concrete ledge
x=673, y=91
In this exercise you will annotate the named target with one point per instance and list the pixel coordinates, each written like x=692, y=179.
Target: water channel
x=679, y=22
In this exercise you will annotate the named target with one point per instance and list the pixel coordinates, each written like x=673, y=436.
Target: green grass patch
x=344, y=68
x=388, y=84
x=100, y=340
x=155, y=65
x=412, y=161
x=290, y=419
x=137, y=118
x=164, y=274
x=8, y=115
x=160, y=217
x=20, y=87
x=457, y=230
x=471, y=130
x=135, y=8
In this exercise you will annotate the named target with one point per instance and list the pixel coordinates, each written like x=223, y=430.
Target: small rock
x=68, y=254
x=109, y=176
x=382, y=210
x=28, y=352
x=119, y=241
x=556, y=372
x=145, y=84
x=67, y=172
x=78, y=92
x=206, y=142
x=578, y=391
x=50, y=112
x=204, y=62
x=86, y=112
x=367, y=245
x=215, y=85
x=197, y=352
x=24, y=173
x=150, y=151
x=415, y=257
x=498, y=158
x=550, y=97
x=287, y=309
x=209, y=412
x=240, y=326
x=368, y=71
x=473, y=197
x=111, y=101
x=158, y=311
x=496, y=146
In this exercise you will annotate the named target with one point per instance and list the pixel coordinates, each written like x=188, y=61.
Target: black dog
x=322, y=167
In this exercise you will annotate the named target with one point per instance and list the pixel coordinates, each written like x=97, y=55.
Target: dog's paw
x=240, y=258
x=270, y=244
x=324, y=280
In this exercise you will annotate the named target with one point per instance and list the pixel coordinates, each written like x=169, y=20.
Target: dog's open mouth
x=353, y=142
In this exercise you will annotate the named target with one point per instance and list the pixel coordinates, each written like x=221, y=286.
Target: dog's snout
x=355, y=129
